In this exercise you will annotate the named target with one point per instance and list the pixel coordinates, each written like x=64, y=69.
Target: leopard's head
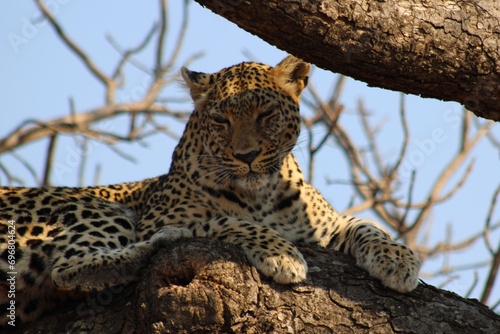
x=247, y=119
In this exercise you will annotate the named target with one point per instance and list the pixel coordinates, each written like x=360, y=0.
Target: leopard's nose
x=247, y=158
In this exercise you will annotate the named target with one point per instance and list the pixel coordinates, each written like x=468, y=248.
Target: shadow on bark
x=204, y=286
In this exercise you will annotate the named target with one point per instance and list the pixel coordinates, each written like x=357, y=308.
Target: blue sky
x=39, y=75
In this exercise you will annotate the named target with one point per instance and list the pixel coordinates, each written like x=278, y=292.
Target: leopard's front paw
x=286, y=268
x=393, y=263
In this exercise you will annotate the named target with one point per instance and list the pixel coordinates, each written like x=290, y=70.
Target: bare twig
x=49, y=159
x=491, y=138
x=491, y=276
x=443, y=247
x=122, y=154
x=487, y=227
x=448, y=281
x=10, y=178
x=68, y=124
x=446, y=174
x=109, y=83
x=465, y=130
x=27, y=165
x=370, y=134
x=333, y=101
x=495, y=305
x=408, y=205
x=494, y=141
x=127, y=54
x=97, y=175
x=83, y=161
x=180, y=39
x=473, y=285
x=453, y=269
x=161, y=38
x=333, y=116
x=496, y=255
x=406, y=134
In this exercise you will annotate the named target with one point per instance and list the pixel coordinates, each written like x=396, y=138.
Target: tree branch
x=109, y=83
x=445, y=50
x=204, y=286
x=496, y=256
x=22, y=136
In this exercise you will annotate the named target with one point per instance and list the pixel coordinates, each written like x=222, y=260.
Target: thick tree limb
x=445, y=50
x=204, y=286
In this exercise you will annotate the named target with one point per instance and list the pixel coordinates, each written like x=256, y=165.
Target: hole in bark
x=182, y=278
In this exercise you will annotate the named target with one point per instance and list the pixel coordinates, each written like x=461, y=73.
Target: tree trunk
x=204, y=286
x=445, y=50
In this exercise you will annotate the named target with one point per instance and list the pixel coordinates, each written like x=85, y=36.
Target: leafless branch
x=27, y=165
x=491, y=276
x=487, y=227
x=445, y=247
x=334, y=99
x=406, y=134
x=83, y=161
x=180, y=39
x=370, y=134
x=408, y=205
x=465, y=130
x=49, y=159
x=127, y=54
x=496, y=255
x=97, y=175
x=10, y=178
x=495, y=305
x=455, y=269
x=106, y=81
x=446, y=174
x=161, y=39
x=333, y=115
x=473, y=285
x=67, y=124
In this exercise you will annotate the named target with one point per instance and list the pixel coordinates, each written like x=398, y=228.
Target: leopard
x=233, y=178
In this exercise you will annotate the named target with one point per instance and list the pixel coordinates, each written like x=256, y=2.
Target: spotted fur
x=233, y=178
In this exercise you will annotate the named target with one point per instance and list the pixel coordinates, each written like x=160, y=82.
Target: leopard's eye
x=219, y=120
x=269, y=113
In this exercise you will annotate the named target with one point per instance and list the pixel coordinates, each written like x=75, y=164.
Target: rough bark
x=446, y=50
x=204, y=286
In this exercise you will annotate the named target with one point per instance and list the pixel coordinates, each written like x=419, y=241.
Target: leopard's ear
x=197, y=82
x=291, y=74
